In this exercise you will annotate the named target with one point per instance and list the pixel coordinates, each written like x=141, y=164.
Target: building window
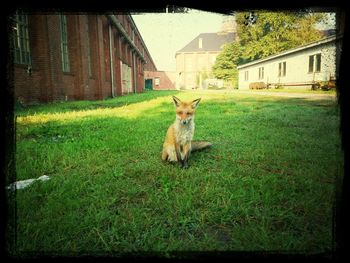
x=261, y=72
x=318, y=62
x=88, y=47
x=64, y=43
x=157, y=81
x=21, y=39
x=246, y=75
x=282, y=69
x=311, y=64
x=315, y=63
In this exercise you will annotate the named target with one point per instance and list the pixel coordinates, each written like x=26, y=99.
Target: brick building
x=77, y=57
x=160, y=80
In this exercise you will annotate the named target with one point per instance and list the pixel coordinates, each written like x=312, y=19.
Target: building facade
x=76, y=57
x=160, y=80
x=298, y=67
x=194, y=62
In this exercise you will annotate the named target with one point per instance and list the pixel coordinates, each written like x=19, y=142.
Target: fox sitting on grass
x=178, y=142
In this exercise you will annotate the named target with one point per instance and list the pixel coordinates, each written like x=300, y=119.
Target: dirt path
x=314, y=96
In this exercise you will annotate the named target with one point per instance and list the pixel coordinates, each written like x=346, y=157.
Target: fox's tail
x=200, y=145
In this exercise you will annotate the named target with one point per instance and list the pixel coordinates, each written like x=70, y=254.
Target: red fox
x=178, y=142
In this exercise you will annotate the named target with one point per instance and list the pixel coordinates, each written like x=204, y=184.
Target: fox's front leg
x=178, y=152
x=183, y=153
x=186, y=154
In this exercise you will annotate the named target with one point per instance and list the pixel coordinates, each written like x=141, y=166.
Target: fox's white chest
x=184, y=133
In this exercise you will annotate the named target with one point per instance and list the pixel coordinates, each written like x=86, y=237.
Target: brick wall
x=86, y=35
x=32, y=88
x=165, y=82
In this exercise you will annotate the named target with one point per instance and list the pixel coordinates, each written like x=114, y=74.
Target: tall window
x=157, y=81
x=261, y=72
x=318, y=62
x=311, y=64
x=64, y=44
x=246, y=75
x=315, y=63
x=282, y=69
x=21, y=39
x=88, y=47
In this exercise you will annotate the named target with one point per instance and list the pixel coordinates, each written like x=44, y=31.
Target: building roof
x=293, y=50
x=210, y=42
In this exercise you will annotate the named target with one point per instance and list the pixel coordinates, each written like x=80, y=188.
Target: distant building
x=194, y=61
x=77, y=57
x=160, y=80
x=298, y=67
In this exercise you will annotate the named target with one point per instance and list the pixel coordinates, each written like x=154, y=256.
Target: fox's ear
x=194, y=104
x=177, y=101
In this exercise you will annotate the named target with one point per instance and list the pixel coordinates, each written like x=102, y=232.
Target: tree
x=226, y=62
x=269, y=33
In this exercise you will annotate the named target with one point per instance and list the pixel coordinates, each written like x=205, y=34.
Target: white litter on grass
x=24, y=183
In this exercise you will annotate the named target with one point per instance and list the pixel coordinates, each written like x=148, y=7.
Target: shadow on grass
x=164, y=112
x=120, y=101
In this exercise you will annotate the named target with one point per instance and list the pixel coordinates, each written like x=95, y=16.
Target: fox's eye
x=180, y=112
x=188, y=113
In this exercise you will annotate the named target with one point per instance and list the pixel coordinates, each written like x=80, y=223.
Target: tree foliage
x=225, y=66
x=273, y=32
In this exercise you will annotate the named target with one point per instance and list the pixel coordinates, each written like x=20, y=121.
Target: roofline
x=290, y=51
x=115, y=22
x=143, y=43
x=121, y=29
x=192, y=52
x=217, y=33
x=188, y=43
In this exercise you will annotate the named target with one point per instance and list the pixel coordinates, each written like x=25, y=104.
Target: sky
x=166, y=33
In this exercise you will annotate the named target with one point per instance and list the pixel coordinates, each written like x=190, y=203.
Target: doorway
x=148, y=84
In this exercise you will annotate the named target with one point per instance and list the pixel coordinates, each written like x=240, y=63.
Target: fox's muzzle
x=185, y=121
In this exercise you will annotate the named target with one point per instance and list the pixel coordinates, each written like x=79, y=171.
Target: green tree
x=272, y=32
x=226, y=62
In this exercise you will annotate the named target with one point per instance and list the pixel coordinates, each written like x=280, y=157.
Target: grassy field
x=268, y=183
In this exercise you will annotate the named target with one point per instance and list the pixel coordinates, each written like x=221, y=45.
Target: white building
x=297, y=67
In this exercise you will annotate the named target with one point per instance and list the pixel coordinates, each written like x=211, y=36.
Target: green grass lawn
x=268, y=183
